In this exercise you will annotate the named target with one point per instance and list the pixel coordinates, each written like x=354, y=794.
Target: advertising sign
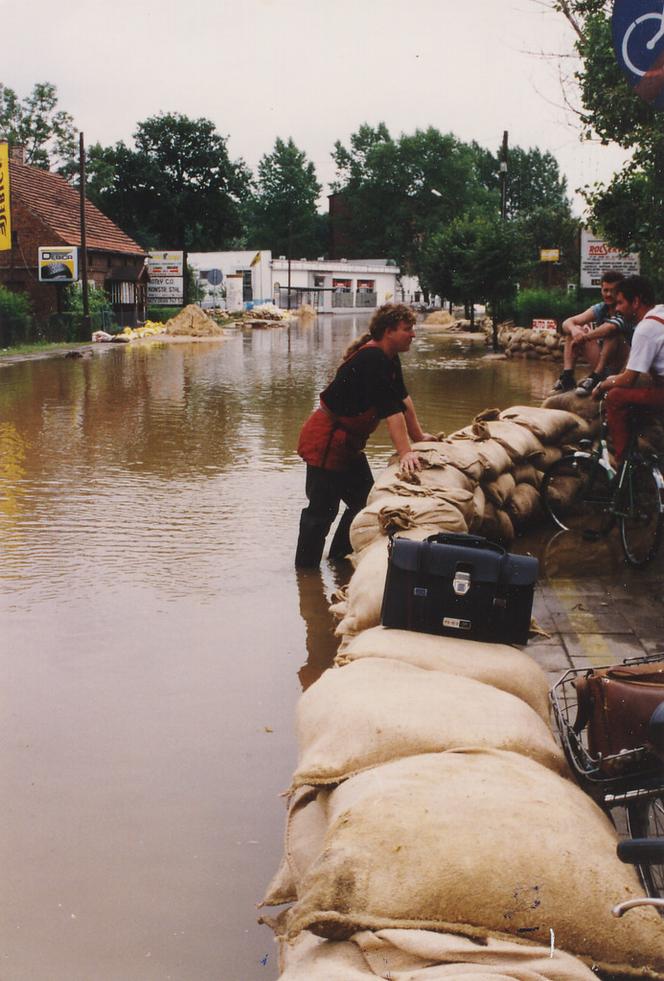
x=637, y=27
x=549, y=255
x=57, y=263
x=5, y=216
x=165, y=264
x=165, y=290
x=598, y=256
x=542, y=324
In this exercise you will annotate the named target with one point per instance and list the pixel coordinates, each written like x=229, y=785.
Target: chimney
x=17, y=154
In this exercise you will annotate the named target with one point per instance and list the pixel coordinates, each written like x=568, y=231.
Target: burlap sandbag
x=376, y=710
x=422, y=955
x=482, y=843
x=524, y=506
x=506, y=533
x=549, y=425
x=492, y=455
x=448, y=453
x=479, y=504
x=500, y=490
x=546, y=457
x=525, y=473
x=499, y=665
x=392, y=513
x=428, y=480
x=583, y=406
x=519, y=441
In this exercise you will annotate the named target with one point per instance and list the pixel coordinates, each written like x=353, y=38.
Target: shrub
x=15, y=318
x=552, y=304
x=162, y=314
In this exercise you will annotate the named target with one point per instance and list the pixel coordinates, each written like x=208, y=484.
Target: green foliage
x=552, y=304
x=15, y=318
x=162, y=314
x=46, y=132
x=282, y=209
x=178, y=188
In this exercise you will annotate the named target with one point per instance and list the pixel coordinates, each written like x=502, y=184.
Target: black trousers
x=325, y=490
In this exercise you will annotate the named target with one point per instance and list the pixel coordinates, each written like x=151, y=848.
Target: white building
x=234, y=279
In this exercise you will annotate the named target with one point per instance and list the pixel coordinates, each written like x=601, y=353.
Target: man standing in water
x=367, y=387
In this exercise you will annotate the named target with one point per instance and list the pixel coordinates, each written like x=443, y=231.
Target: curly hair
x=386, y=317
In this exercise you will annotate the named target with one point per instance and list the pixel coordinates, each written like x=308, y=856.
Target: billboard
x=598, y=256
x=166, y=282
x=5, y=214
x=57, y=263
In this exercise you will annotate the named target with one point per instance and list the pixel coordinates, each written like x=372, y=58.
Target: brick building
x=46, y=211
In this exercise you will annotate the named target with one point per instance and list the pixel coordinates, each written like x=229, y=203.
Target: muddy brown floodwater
x=154, y=638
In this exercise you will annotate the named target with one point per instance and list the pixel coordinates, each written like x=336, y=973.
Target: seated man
x=635, y=302
x=599, y=336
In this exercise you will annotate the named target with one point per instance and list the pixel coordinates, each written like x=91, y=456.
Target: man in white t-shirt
x=635, y=302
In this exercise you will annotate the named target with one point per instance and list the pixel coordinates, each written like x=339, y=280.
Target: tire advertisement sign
x=598, y=256
x=165, y=283
x=57, y=264
x=637, y=27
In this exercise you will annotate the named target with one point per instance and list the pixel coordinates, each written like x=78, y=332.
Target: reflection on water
x=155, y=637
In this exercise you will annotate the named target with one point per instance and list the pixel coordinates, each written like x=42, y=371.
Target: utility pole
x=503, y=178
x=84, y=247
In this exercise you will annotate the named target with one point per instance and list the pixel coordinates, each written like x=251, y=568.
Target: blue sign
x=638, y=38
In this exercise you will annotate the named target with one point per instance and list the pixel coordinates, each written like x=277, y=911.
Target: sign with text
x=598, y=256
x=165, y=264
x=5, y=215
x=165, y=289
x=549, y=255
x=57, y=264
x=545, y=325
x=637, y=27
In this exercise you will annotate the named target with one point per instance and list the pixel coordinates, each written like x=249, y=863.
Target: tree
x=282, y=210
x=177, y=188
x=630, y=210
x=397, y=192
x=46, y=132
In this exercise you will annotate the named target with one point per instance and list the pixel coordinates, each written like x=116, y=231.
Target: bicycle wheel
x=641, y=515
x=645, y=819
x=577, y=494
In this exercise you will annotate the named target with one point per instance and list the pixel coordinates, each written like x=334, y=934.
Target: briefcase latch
x=461, y=583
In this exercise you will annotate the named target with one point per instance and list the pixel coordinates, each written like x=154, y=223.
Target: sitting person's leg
x=619, y=402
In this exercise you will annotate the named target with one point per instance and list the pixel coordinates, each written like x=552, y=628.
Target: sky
x=314, y=70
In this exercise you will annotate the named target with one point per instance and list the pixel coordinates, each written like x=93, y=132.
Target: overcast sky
x=311, y=69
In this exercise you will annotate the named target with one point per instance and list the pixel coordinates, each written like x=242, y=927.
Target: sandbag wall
x=433, y=829
x=524, y=342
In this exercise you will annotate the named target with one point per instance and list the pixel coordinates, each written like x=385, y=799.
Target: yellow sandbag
x=499, y=665
x=376, y=710
x=482, y=843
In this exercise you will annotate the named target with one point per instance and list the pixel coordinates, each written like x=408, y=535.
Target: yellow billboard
x=5, y=215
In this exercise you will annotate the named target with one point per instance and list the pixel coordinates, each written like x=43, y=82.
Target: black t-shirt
x=369, y=379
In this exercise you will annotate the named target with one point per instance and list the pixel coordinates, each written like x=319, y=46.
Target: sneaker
x=564, y=384
x=586, y=386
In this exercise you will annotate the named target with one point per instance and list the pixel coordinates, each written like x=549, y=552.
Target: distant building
x=45, y=212
x=328, y=285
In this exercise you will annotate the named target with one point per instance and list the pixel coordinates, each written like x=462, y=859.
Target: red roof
x=57, y=203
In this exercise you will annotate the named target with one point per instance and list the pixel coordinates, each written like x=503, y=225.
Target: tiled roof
x=57, y=203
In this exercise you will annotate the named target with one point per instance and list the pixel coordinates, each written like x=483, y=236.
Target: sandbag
x=524, y=506
x=580, y=405
x=545, y=458
x=493, y=456
x=525, y=473
x=426, y=481
x=422, y=955
x=500, y=665
x=376, y=710
x=392, y=512
x=500, y=490
x=479, y=504
x=447, y=453
x=506, y=533
x=549, y=425
x=482, y=843
x=519, y=441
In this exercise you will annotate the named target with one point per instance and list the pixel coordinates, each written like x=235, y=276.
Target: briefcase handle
x=461, y=538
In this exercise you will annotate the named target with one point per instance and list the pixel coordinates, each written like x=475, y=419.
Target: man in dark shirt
x=367, y=387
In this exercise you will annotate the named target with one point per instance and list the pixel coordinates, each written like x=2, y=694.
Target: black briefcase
x=460, y=586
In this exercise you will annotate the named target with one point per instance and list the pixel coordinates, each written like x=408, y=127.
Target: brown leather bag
x=616, y=704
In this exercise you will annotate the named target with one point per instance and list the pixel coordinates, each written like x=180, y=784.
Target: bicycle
x=643, y=853
x=631, y=779
x=650, y=45
x=583, y=492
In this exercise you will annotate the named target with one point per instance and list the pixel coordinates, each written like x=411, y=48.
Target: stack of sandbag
x=433, y=831
x=524, y=342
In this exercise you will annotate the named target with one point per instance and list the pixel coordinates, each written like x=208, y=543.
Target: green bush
x=162, y=314
x=552, y=304
x=15, y=318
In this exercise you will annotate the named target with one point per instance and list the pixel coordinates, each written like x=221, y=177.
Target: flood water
x=155, y=638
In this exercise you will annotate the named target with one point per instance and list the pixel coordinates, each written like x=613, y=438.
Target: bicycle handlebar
x=641, y=851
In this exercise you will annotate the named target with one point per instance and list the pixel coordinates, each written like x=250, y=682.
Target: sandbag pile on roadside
x=524, y=342
x=192, y=321
x=433, y=831
x=484, y=478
